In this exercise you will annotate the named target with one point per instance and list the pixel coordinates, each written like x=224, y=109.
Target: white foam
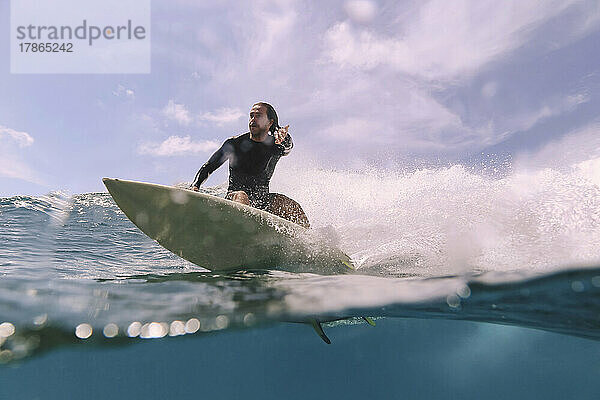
x=450, y=220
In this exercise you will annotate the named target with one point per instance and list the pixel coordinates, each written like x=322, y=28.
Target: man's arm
x=214, y=162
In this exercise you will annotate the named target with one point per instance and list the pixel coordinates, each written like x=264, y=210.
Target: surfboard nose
x=109, y=183
x=116, y=187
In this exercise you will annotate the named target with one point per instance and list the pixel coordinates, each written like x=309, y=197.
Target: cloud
x=364, y=50
x=177, y=145
x=524, y=121
x=414, y=120
x=405, y=83
x=497, y=130
x=12, y=167
x=23, y=139
x=552, y=108
x=352, y=129
x=274, y=22
x=11, y=163
x=367, y=110
x=489, y=90
x=122, y=91
x=444, y=40
x=177, y=112
x=407, y=69
x=222, y=116
x=579, y=148
x=361, y=10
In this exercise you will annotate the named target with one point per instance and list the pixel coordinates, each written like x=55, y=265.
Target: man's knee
x=239, y=196
x=287, y=208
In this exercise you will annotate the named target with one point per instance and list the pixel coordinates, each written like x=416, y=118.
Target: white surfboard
x=223, y=235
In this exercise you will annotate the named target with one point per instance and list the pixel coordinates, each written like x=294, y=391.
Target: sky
x=361, y=83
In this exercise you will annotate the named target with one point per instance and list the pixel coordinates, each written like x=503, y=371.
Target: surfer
x=252, y=158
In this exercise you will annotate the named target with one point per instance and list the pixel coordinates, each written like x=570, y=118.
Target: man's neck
x=259, y=137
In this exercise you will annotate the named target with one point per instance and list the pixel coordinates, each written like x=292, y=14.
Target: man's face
x=259, y=122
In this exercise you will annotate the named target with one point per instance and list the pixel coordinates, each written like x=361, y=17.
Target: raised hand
x=280, y=134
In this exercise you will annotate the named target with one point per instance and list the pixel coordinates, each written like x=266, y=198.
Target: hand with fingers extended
x=280, y=134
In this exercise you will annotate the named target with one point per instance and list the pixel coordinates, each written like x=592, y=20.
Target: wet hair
x=271, y=114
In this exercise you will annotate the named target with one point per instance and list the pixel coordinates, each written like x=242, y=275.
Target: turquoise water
x=455, y=269
x=401, y=358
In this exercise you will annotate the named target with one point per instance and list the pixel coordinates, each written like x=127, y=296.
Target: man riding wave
x=252, y=158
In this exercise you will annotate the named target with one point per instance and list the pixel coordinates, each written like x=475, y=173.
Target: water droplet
x=222, y=322
x=40, y=320
x=134, y=329
x=453, y=301
x=249, y=319
x=153, y=330
x=141, y=218
x=177, y=328
x=83, y=331
x=464, y=292
x=111, y=330
x=192, y=325
x=179, y=196
x=577, y=286
x=6, y=329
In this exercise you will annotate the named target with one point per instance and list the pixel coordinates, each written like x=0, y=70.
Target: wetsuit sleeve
x=214, y=162
x=286, y=146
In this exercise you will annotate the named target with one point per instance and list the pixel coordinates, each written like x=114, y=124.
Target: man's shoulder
x=238, y=137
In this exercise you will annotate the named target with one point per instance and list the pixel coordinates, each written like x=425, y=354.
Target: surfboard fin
x=348, y=264
x=369, y=321
x=319, y=329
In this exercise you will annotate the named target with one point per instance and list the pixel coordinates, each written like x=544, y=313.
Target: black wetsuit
x=251, y=165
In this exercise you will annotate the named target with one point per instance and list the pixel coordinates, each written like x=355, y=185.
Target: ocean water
x=479, y=286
